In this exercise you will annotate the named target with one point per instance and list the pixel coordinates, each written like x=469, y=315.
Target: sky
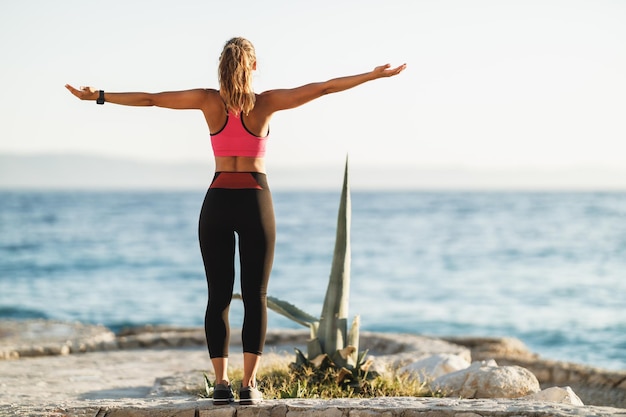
x=489, y=85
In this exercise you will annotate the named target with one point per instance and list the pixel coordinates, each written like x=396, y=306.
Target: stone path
x=116, y=379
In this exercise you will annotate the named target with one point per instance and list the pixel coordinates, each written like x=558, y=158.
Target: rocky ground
x=69, y=369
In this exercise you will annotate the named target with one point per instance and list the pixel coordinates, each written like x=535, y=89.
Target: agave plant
x=332, y=344
x=330, y=337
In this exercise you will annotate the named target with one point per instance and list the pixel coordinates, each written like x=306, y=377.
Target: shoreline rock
x=36, y=340
x=594, y=386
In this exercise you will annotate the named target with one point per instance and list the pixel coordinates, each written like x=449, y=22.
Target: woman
x=238, y=199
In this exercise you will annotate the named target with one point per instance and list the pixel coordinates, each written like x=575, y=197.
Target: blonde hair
x=235, y=75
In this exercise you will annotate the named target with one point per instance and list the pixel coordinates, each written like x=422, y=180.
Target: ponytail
x=235, y=75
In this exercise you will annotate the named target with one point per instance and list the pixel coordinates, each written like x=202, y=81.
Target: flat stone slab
x=372, y=407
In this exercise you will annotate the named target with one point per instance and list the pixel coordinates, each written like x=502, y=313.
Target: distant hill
x=84, y=171
x=52, y=171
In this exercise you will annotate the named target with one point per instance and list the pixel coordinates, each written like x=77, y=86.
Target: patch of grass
x=310, y=382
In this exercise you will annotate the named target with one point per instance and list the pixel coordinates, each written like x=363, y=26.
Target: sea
x=548, y=268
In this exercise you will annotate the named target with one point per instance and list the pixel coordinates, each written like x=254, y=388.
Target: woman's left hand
x=387, y=71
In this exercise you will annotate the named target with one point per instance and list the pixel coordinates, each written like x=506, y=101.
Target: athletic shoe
x=249, y=396
x=222, y=394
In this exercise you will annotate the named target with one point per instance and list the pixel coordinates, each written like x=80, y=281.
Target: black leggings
x=237, y=202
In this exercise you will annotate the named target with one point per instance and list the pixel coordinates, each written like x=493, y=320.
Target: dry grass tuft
x=282, y=382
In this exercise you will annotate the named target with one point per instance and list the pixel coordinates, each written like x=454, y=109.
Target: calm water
x=547, y=268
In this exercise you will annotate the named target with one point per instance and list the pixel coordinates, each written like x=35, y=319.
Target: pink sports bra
x=234, y=139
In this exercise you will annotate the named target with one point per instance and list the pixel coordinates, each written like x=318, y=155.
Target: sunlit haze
x=490, y=85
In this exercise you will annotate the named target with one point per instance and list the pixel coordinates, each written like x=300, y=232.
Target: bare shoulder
x=210, y=94
x=264, y=96
x=267, y=100
x=272, y=94
x=261, y=101
x=212, y=98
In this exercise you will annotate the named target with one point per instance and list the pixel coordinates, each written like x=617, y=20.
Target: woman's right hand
x=84, y=93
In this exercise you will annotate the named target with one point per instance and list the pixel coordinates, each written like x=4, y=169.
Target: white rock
x=435, y=366
x=387, y=365
x=391, y=352
x=561, y=395
x=453, y=382
x=486, y=379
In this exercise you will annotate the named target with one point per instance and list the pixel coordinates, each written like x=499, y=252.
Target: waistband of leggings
x=239, y=180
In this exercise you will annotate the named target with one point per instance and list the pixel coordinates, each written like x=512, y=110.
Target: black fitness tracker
x=100, y=99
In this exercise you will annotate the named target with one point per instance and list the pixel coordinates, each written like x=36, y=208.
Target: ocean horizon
x=60, y=171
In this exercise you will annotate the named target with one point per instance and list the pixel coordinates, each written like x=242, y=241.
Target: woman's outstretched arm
x=187, y=99
x=283, y=99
